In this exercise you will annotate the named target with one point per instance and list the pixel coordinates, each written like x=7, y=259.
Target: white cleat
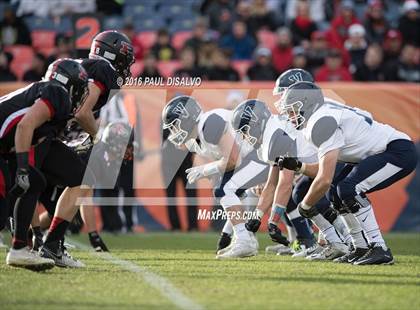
x=306, y=251
x=330, y=252
x=25, y=258
x=254, y=240
x=240, y=249
x=278, y=249
x=68, y=261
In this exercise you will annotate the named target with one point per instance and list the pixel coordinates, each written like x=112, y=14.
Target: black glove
x=97, y=242
x=253, y=225
x=289, y=163
x=22, y=175
x=275, y=234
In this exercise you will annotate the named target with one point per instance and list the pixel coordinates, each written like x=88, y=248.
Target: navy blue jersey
x=15, y=105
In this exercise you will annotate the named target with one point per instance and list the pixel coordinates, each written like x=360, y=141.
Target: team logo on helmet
x=297, y=77
x=125, y=47
x=181, y=111
x=249, y=115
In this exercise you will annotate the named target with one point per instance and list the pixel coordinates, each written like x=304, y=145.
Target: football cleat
x=224, y=241
x=97, y=243
x=25, y=258
x=278, y=249
x=60, y=257
x=351, y=256
x=304, y=248
x=376, y=256
x=239, y=249
x=330, y=252
x=37, y=242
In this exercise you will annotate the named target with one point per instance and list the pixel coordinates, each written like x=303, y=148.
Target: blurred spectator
x=150, y=69
x=220, y=15
x=282, y=53
x=302, y=26
x=188, y=67
x=392, y=45
x=316, y=9
x=205, y=53
x=262, y=69
x=239, y=42
x=64, y=48
x=341, y=23
x=222, y=70
x=299, y=58
x=409, y=24
x=37, y=70
x=13, y=30
x=199, y=35
x=5, y=74
x=318, y=51
x=261, y=16
x=376, y=24
x=406, y=69
x=356, y=44
x=129, y=31
x=333, y=69
x=163, y=49
x=371, y=69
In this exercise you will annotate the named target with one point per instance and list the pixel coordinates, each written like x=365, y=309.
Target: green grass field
x=167, y=270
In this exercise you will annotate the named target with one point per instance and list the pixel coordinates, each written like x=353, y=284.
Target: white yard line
x=160, y=283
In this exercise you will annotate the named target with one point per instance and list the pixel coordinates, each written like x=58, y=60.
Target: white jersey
x=282, y=139
x=351, y=130
x=212, y=125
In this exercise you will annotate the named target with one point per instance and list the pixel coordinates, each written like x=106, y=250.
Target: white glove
x=196, y=173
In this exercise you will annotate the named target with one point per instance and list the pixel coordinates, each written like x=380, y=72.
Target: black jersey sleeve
x=104, y=76
x=57, y=99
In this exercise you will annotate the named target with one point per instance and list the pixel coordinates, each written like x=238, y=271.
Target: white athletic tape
x=156, y=281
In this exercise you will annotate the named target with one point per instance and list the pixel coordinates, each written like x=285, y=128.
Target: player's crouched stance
x=376, y=154
x=29, y=119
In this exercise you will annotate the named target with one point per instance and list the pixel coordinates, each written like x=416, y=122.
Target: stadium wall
x=397, y=104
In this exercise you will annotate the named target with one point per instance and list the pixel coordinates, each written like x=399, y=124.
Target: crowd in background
x=362, y=40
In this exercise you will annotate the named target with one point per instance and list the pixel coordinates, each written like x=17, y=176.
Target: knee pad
x=308, y=213
x=356, y=203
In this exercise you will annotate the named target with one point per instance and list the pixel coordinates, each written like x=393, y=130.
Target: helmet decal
x=249, y=115
x=297, y=77
x=181, y=111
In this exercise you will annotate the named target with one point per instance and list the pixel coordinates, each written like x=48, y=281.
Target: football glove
x=196, y=173
x=22, y=183
x=289, y=163
x=254, y=224
x=276, y=235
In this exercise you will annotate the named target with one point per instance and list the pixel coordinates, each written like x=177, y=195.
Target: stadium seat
x=2, y=8
x=185, y=23
x=147, y=38
x=43, y=39
x=22, y=59
x=241, y=66
x=148, y=24
x=267, y=38
x=179, y=38
x=113, y=22
x=137, y=68
x=169, y=10
x=143, y=10
x=167, y=68
x=65, y=25
x=38, y=23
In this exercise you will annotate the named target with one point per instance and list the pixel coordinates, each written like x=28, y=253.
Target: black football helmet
x=117, y=137
x=115, y=47
x=249, y=120
x=73, y=77
x=180, y=116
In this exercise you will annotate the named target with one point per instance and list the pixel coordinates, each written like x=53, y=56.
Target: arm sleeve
x=213, y=129
x=57, y=100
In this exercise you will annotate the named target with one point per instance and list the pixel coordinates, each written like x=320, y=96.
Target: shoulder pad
x=323, y=129
x=281, y=144
x=213, y=128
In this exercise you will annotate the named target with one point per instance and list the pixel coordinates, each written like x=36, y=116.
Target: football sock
x=340, y=226
x=241, y=232
x=300, y=224
x=57, y=229
x=355, y=230
x=23, y=212
x=367, y=220
x=327, y=229
x=228, y=227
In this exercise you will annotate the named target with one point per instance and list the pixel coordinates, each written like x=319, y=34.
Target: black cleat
x=376, y=256
x=224, y=241
x=351, y=256
x=97, y=242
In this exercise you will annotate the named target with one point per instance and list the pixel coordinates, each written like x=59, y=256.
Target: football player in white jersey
x=376, y=154
x=235, y=167
x=275, y=137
